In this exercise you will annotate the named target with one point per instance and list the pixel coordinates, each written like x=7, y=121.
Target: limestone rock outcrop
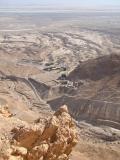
x=54, y=141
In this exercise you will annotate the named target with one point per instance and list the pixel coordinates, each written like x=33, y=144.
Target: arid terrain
x=34, y=50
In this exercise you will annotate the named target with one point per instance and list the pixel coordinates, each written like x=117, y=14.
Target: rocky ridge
x=97, y=98
x=24, y=141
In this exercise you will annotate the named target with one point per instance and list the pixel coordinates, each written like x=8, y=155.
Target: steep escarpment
x=104, y=112
x=24, y=141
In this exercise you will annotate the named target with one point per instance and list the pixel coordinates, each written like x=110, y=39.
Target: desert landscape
x=52, y=59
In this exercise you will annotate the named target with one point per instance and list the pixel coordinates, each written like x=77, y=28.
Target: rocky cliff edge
x=22, y=141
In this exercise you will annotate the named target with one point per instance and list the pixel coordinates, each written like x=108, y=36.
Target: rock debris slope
x=24, y=141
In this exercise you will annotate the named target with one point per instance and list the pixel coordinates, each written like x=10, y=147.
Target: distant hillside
x=97, y=69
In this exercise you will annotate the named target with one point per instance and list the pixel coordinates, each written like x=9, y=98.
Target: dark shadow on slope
x=96, y=69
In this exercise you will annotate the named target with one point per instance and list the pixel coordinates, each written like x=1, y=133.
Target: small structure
x=63, y=73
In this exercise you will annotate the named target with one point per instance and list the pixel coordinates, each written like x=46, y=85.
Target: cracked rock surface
x=52, y=141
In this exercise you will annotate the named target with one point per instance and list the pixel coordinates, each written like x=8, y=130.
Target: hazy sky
x=60, y=3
